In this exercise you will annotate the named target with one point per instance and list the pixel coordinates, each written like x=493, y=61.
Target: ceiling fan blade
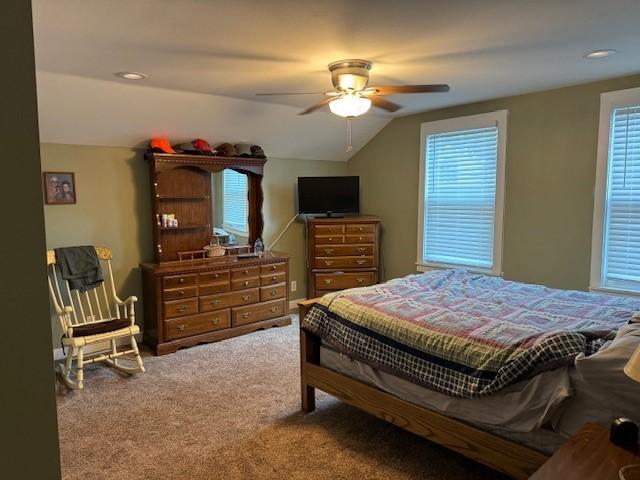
x=398, y=89
x=297, y=93
x=317, y=106
x=384, y=104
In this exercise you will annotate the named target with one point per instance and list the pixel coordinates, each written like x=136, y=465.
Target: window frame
x=609, y=101
x=228, y=227
x=490, y=119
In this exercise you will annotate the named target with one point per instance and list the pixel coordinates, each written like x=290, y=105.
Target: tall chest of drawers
x=186, y=303
x=343, y=253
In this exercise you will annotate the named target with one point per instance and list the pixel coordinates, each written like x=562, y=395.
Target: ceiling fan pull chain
x=349, y=146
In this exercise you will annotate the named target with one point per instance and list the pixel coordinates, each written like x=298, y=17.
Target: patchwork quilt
x=464, y=334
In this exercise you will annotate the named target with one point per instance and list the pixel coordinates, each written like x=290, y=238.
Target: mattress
x=467, y=335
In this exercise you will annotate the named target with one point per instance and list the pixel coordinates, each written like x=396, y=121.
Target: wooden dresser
x=343, y=253
x=191, y=302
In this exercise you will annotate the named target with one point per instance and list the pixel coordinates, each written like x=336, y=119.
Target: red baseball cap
x=202, y=145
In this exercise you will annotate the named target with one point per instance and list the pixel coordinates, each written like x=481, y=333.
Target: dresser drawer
x=364, y=238
x=178, y=293
x=244, y=273
x=341, y=250
x=242, y=283
x=329, y=229
x=256, y=313
x=361, y=228
x=212, y=288
x=213, y=277
x=272, y=292
x=226, y=300
x=275, y=268
x=272, y=279
x=178, y=281
x=187, y=326
x=343, y=262
x=329, y=239
x=339, y=280
x=180, y=308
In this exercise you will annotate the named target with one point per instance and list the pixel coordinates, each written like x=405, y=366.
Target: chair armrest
x=131, y=300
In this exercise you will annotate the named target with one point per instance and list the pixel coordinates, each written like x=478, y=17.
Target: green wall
x=550, y=175
x=113, y=209
x=28, y=430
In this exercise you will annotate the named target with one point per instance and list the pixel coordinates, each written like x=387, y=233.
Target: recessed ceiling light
x=131, y=75
x=600, y=54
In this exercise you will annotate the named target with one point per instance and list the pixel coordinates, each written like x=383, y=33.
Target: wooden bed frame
x=513, y=459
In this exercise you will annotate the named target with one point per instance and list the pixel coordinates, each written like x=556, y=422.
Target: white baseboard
x=98, y=347
x=293, y=304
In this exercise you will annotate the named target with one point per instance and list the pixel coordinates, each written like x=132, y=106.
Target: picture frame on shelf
x=59, y=188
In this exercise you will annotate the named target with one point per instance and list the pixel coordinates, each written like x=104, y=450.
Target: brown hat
x=227, y=150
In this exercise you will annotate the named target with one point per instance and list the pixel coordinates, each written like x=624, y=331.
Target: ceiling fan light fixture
x=350, y=106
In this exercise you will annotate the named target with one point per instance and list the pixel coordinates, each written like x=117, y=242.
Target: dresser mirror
x=230, y=207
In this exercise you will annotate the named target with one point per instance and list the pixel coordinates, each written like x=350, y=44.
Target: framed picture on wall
x=59, y=188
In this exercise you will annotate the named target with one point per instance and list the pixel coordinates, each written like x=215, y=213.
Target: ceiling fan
x=353, y=96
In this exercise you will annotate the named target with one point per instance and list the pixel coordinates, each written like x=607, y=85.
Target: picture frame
x=59, y=188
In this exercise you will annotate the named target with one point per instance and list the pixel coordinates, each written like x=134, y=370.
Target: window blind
x=460, y=197
x=621, y=252
x=235, y=206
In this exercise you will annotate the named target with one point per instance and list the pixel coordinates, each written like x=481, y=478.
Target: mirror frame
x=252, y=167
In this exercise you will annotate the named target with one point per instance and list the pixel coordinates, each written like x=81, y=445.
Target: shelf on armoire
x=186, y=227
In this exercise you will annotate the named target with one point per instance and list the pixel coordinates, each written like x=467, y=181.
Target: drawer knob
x=181, y=292
x=246, y=284
x=330, y=238
x=361, y=262
x=246, y=315
x=181, y=280
x=360, y=280
x=328, y=250
x=246, y=297
x=182, y=308
x=215, y=302
x=274, y=293
x=246, y=272
x=215, y=321
x=274, y=267
x=328, y=262
x=274, y=309
x=359, y=238
x=215, y=275
x=360, y=249
x=181, y=327
x=328, y=281
x=274, y=278
x=360, y=229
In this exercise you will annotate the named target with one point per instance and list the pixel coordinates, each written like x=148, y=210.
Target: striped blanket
x=464, y=334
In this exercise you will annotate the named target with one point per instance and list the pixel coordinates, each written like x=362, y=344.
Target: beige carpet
x=230, y=410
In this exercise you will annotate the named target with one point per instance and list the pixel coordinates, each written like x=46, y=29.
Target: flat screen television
x=328, y=195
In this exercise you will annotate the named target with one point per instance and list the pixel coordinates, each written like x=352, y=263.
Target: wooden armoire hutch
x=198, y=299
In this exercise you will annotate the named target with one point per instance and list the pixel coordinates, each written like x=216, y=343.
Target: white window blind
x=235, y=205
x=621, y=243
x=460, y=197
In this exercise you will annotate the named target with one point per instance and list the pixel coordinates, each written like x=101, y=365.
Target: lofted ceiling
x=234, y=49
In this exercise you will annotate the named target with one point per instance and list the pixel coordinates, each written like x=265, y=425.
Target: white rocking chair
x=87, y=319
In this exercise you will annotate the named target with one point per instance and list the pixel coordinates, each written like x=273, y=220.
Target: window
x=615, y=254
x=235, y=205
x=461, y=193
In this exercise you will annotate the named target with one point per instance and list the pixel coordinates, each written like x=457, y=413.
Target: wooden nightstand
x=588, y=455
